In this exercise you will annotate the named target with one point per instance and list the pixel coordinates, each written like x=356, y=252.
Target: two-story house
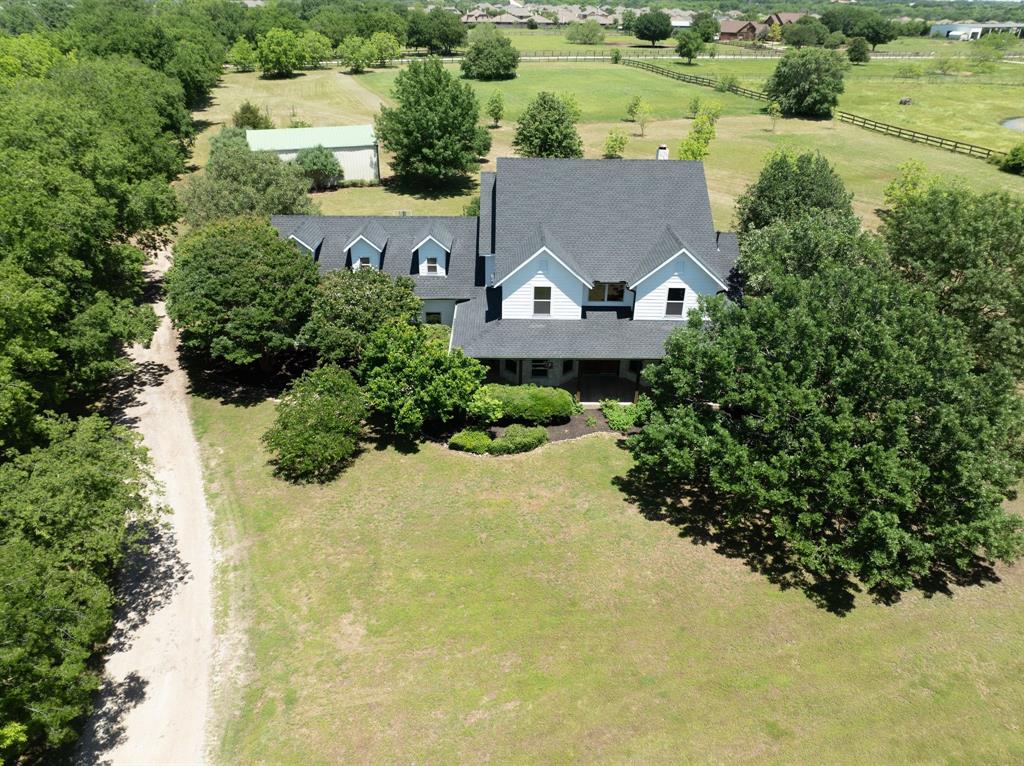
x=574, y=273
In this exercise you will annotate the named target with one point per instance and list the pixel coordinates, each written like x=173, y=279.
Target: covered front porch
x=589, y=380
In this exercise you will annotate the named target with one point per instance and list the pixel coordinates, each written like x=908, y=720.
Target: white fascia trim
x=431, y=239
x=543, y=250
x=296, y=239
x=455, y=317
x=672, y=258
x=361, y=237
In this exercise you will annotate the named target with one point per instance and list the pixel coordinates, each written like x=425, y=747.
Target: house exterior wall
x=359, y=163
x=652, y=293
x=446, y=308
x=431, y=249
x=567, y=292
x=363, y=250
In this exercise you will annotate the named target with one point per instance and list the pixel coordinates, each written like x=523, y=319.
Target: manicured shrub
x=1013, y=162
x=318, y=424
x=518, y=438
x=471, y=440
x=530, y=403
x=620, y=417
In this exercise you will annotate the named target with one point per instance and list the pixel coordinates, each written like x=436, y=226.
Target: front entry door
x=599, y=367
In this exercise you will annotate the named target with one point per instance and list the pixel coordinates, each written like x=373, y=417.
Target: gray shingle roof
x=599, y=336
x=399, y=234
x=540, y=237
x=606, y=214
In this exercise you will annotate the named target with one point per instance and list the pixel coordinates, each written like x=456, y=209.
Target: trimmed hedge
x=517, y=438
x=531, y=403
x=470, y=440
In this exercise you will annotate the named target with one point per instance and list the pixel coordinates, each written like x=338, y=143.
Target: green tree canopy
x=706, y=25
x=320, y=166
x=318, y=424
x=653, y=26
x=689, y=44
x=250, y=116
x=967, y=249
x=349, y=306
x=492, y=58
x=839, y=420
x=807, y=83
x=355, y=53
x=789, y=186
x=412, y=380
x=242, y=56
x=280, y=52
x=588, y=32
x=385, y=47
x=439, y=31
x=857, y=51
x=547, y=128
x=238, y=292
x=432, y=129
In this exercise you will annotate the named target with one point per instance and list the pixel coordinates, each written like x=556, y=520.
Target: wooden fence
x=959, y=147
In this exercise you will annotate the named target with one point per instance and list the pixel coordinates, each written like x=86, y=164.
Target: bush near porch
x=516, y=438
x=530, y=403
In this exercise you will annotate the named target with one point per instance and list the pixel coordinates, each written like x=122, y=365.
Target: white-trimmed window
x=542, y=300
x=674, y=302
x=607, y=292
x=363, y=263
x=431, y=265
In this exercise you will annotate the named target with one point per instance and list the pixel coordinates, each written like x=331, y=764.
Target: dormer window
x=607, y=292
x=674, y=304
x=363, y=263
x=431, y=265
x=541, y=301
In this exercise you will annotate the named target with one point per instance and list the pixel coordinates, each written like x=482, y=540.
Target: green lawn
x=443, y=608
x=540, y=41
x=867, y=161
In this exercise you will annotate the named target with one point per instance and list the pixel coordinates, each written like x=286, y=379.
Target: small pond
x=1014, y=123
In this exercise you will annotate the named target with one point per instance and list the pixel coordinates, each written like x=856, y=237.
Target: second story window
x=364, y=262
x=601, y=292
x=542, y=301
x=431, y=265
x=674, y=304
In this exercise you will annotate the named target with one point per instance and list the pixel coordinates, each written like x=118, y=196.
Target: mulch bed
x=575, y=428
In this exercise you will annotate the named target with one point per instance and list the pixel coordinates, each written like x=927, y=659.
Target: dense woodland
x=94, y=124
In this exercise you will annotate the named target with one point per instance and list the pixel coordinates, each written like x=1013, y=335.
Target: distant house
x=783, y=18
x=731, y=29
x=354, y=146
x=574, y=273
x=971, y=30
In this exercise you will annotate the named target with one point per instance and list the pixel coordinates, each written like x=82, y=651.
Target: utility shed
x=355, y=146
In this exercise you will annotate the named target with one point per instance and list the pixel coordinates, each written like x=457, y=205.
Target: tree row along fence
x=950, y=145
x=759, y=52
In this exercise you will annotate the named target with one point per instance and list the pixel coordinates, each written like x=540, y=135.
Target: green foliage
x=472, y=208
x=432, y=130
x=412, y=380
x=470, y=440
x=530, y=403
x=788, y=186
x=633, y=108
x=706, y=26
x=495, y=108
x=587, y=32
x=689, y=45
x=653, y=26
x=859, y=22
x=316, y=48
x=839, y=419
x=238, y=292
x=628, y=19
x=241, y=182
x=697, y=143
x=485, y=408
x=802, y=246
x=694, y=106
x=320, y=166
x=242, y=56
x=318, y=424
x=385, y=47
x=967, y=249
x=349, y=306
x=29, y=55
x=621, y=417
x=857, y=51
x=355, y=54
x=806, y=31
x=835, y=40
x=518, y=438
x=807, y=83
x=439, y=31
x=616, y=56
x=69, y=512
x=547, y=128
x=280, y=52
x=228, y=138
x=1013, y=162
x=250, y=116
x=615, y=144
x=492, y=58
x=726, y=83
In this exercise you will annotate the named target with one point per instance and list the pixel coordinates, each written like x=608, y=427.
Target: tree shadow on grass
x=240, y=386
x=410, y=187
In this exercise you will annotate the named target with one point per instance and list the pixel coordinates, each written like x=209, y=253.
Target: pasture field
x=436, y=607
x=867, y=161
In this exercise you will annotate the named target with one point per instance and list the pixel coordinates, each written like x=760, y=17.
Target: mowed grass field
x=442, y=608
x=867, y=161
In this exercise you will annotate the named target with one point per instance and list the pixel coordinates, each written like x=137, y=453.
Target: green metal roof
x=289, y=139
